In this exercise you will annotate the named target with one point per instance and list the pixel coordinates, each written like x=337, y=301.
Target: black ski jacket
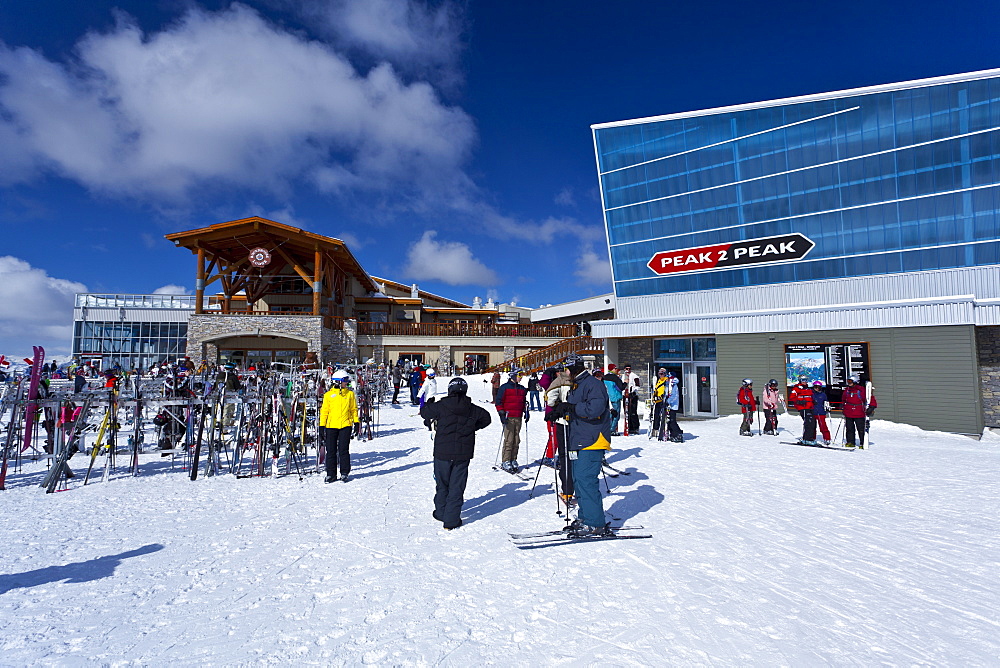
x=458, y=420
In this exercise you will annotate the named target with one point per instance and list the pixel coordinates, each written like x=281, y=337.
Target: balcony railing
x=465, y=329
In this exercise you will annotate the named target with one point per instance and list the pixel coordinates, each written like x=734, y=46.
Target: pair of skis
x=531, y=541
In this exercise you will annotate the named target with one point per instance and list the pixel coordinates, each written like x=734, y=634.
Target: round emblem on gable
x=260, y=257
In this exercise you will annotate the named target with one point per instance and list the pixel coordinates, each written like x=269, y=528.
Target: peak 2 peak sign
x=783, y=248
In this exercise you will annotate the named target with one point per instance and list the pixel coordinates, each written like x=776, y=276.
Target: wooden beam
x=317, y=286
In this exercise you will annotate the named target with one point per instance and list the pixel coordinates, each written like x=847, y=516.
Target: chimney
x=477, y=302
x=414, y=293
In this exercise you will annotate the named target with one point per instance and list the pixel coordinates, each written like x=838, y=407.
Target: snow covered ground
x=763, y=554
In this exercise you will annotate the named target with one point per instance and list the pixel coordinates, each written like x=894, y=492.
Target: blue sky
x=448, y=143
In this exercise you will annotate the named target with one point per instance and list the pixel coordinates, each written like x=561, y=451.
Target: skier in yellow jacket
x=338, y=415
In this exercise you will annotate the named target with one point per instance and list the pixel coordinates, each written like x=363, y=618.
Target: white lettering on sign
x=787, y=247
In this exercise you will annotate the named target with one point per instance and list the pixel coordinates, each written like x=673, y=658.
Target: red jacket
x=854, y=401
x=801, y=397
x=512, y=399
x=746, y=399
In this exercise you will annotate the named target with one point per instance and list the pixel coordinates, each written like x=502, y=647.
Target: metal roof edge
x=812, y=97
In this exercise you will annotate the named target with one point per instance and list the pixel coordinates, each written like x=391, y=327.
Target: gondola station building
x=852, y=232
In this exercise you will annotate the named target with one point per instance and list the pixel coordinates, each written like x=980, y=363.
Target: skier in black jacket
x=458, y=420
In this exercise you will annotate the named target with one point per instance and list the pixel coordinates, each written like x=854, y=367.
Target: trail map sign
x=767, y=250
x=831, y=363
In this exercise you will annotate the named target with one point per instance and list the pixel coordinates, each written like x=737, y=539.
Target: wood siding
x=924, y=376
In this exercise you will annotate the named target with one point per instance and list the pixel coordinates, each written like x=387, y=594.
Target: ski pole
x=760, y=425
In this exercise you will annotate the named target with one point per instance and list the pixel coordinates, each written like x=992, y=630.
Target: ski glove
x=562, y=410
x=503, y=417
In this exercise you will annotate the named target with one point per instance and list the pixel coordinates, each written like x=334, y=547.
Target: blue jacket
x=673, y=394
x=590, y=422
x=819, y=402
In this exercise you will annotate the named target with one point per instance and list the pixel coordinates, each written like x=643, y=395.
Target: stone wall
x=204, y=331
x=638, y=353
x=988, y=351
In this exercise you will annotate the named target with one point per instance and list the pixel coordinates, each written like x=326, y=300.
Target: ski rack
x=268, y=429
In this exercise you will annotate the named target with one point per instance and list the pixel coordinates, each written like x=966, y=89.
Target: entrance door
x=702, y=394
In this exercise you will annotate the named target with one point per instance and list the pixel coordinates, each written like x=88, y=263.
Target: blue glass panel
x=877, y=209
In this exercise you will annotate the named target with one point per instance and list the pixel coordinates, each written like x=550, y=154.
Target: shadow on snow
x=77, y=572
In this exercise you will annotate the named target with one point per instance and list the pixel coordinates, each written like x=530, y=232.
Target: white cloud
x=565, y=197
x=449, y=262
x=416, y=36
x=171, y=289
x=223, y=98
x=593, y=269
x=35, y=309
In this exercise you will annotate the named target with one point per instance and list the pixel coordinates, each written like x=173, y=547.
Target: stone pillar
x=988, y=353
x=444, y=359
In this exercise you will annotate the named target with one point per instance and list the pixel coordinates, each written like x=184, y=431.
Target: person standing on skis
x=748, y=404
x=801, y=398
x=855, y=402
x=820, y=409
x=589, y=414
x=770, y=400
x=512, y=406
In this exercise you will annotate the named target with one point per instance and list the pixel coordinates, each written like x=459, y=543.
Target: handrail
x=543, y=358
x=465, y=329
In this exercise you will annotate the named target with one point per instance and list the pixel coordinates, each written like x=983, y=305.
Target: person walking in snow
x=855, y=401
x=397, y=380
x=820, y=409
x=429, y=387
x=512, y=406
x=801, y=398
x=338, y=415
x=534, y=393
x=589, y=414
x=415, y=381
x=495, y=384
x=748, y=404
x=458, y=420
x=770, y=399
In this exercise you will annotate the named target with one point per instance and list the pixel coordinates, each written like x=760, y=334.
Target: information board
x=831, y=363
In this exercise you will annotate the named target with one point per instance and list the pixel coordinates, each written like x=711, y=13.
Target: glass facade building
x=887, y=180
x=130, y=331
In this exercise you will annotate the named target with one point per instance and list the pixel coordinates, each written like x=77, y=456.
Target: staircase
x=543, y=358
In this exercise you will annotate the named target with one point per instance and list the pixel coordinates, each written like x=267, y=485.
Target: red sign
x=782, y=248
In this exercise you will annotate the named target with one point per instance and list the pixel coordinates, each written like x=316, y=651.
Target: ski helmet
x=431, y=372
x=772, y=383
x=855, y=378
x=457, y=387
x=748, y=381
x=573, y=361
x=340, y=376
x=803, y=378
x=817, y=383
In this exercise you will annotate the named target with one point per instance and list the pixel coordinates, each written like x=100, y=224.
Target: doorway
x=702, y=393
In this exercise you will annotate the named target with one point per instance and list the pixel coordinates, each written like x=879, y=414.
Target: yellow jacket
x=339, y=410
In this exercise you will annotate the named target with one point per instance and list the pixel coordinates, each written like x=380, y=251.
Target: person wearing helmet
x=338, y=414
x=854, y=412
x=770, y=399
x=458, y=420
x=429, y=388
x=801, y=398
x=820, y=409
x=589, y=413
x=748, y=404
x=512, y=406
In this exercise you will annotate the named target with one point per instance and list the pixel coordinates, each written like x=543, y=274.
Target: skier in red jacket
x=801, y=398
x=748, y=404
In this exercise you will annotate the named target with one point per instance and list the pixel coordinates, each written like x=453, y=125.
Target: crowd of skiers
x=813, y=405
